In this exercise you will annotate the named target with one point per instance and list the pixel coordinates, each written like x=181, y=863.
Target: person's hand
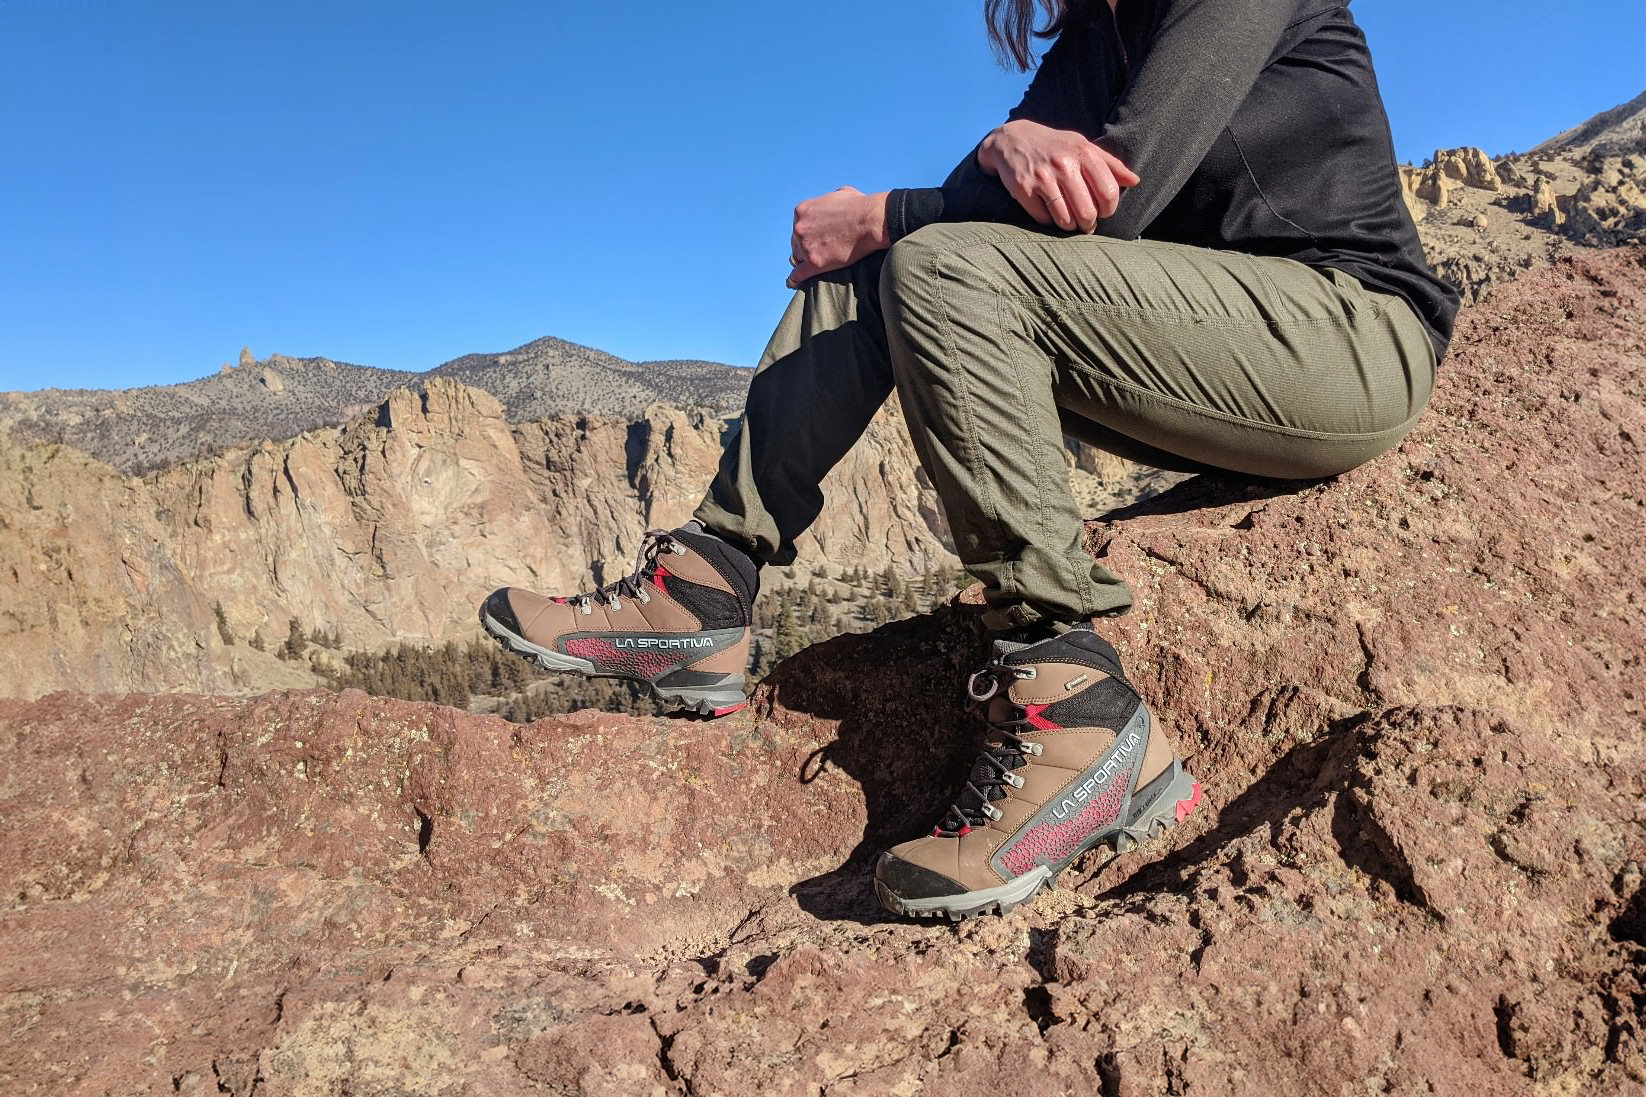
x=1058, y=176
x=835, y=230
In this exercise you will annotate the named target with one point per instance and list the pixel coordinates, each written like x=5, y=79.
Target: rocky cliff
x=388, y=529
x=1413, y=694
x=1484, y=220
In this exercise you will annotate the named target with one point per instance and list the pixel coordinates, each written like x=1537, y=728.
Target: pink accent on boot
x=1184, y=807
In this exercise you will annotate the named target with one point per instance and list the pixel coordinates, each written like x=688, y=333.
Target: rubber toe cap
x=499, y=609
x=911, y=881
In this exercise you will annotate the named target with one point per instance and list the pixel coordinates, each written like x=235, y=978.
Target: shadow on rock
x=1301, y=780
x=1207, y=491
x=902, y=731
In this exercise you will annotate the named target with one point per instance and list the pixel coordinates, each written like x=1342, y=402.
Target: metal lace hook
x=972, y=690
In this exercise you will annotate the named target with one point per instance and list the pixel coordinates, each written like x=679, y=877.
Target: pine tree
x=787, y=637
x=890, y=582
x=295, y=643
x=223, y=632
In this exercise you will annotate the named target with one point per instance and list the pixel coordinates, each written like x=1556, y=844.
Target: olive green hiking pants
x=999, y=340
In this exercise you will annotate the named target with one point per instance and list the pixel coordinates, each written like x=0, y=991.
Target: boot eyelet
x=615, y=605
x=992, y=812
x=677, y=548
x=1014, y=780
x=1028, y=674
x=1036, y=749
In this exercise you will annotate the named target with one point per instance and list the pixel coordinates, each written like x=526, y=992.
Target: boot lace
x=656, y=543
x=1007, y=751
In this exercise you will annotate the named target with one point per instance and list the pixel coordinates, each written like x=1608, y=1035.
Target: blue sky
x=397, y=182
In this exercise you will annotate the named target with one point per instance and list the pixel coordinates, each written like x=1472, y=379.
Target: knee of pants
x=920, y=269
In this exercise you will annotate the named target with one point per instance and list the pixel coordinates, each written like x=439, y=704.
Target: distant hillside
x=1616, y=132
x=143, y=429
x=1484, y=220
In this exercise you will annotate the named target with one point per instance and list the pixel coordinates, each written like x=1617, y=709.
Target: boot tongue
x=1000, y=709
x=1009, y=646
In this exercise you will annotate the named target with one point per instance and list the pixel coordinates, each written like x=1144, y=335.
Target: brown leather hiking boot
x=680, y=623
x=1072, y=760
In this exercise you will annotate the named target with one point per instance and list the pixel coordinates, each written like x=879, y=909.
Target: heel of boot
x=720, y=697
x=1168, y=800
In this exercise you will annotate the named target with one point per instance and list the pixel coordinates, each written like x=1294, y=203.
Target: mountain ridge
x=143, y=429
x=1621, y=128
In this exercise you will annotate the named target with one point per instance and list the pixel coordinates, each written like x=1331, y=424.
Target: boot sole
x=1170, y=806
x=720, y=698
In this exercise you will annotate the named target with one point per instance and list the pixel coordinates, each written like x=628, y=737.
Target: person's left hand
x=835, y=230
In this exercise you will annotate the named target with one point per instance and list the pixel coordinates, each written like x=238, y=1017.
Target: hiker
x=1186, y=245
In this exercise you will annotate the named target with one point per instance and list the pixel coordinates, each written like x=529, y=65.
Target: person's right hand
x=835, y=230
x=1058, y=176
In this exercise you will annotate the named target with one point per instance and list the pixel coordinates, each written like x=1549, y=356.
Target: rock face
x=1413, y=695
x=386, y=530
x=1610, y=208
x=1585, y=188
x=391, y=529
x=1466, y=167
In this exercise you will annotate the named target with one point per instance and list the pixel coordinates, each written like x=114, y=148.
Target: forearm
x=968, y=194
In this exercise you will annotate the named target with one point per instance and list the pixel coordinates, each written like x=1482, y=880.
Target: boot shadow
x=1301, y=780
x=903, y=733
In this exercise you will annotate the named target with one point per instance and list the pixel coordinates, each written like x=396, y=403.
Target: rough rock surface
x=1413, y=695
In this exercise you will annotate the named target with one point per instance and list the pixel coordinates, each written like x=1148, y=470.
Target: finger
x=1123, y=175
x=1077, y=191
x=1058, y=207
x=1031, y=204
x=1100, y=181
x=799, y=274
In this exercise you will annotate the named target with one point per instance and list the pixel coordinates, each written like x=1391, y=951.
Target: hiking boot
x=1072, y=760
x=680, y=623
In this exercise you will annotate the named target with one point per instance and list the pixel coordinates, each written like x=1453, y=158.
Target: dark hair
x=1011, y=25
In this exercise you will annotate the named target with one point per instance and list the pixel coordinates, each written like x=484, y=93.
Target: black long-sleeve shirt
x=1255, y=126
